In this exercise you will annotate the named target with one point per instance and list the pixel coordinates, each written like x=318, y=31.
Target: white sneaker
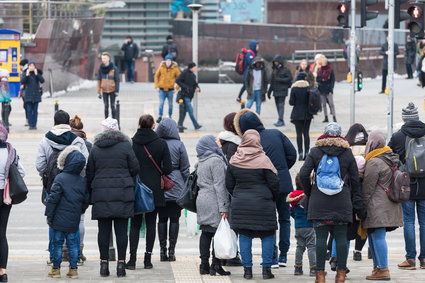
x=275, y=266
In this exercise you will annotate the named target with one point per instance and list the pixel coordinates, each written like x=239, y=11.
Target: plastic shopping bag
x=225, y=241
x=191, y=224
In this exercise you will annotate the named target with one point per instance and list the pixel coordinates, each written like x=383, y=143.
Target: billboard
x=242, y=11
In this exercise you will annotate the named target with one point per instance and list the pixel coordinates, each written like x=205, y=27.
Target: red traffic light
x=415, y=12
x=342, y=8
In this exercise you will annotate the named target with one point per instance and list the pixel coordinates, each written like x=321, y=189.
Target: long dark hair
x=352, y=133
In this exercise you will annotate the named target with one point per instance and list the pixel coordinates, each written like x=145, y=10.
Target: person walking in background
x=108, y=84
x=212, y=202
x=252, y=181
x=256, y=83
x=300, y=116
x=229, y=138
x=131, y=52
x=412, y=129
x=167, y=130
x=32, y=93
x=5, y=99
x=111, y=169
x=165, y=83
x=251, y=53
x=189, y=86
x=409, y=56
x=169, y=48
x=281, y=80
x=67, y=201
x=8, y=155
x=384, y=53
x=303, y=67
x=24, y=66
x=326, y=82
x=151, y=152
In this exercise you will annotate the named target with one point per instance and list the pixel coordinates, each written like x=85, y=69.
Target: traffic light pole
x=353, y=63
x=390, y=118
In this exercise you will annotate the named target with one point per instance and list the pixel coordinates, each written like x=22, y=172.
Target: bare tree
x=320, y=16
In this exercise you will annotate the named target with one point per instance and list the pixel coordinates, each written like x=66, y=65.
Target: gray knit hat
x=410, y=112
x=333, y=129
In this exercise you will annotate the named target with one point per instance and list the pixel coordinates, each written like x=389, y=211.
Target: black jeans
x=384, y=79
x=280, y=106
x=339, y=233
x=243, y=88
x=136, y=224
x=302, y=128
x=109, y=98
x=104, y=234
x=171, y=211
x=409, y=71
x=4, y=218
x=359, y=243
x=205, y=246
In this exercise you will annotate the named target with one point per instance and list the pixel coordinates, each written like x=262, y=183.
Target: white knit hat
x=110, y=124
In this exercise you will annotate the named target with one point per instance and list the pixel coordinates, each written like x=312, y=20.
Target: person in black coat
x=281, y=80
x=384, y=53
x=189, y=85
x=32, y=93
x=332, y=213
x=325, y=84
x=229, y=138
x=409, y=56
x=169, y=48
x=147, y=140
x=300, y=115
x=111, y=169
x=131, y=52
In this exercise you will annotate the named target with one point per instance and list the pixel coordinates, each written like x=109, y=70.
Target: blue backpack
x=328, y=176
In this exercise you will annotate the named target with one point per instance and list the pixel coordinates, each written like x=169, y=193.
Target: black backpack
x=314, y=103
x=172, y=49
x=50, y=174
x=187, y=198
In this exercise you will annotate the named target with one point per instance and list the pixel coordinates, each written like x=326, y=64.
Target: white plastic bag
x=191, y=224
x=225, y=241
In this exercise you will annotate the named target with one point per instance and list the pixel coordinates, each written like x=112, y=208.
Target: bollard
x=56, y=106
x=118, y=113
x=181, y=115
x=242, y=104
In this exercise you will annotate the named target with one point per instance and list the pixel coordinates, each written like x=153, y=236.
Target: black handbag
x=17, y=188
x=187, y=198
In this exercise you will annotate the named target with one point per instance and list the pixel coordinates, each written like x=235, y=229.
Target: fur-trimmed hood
x=247, y=119
x=110, y=138
x=332, y=145
x=71, y=160
x=300, y=84
x=230, y=137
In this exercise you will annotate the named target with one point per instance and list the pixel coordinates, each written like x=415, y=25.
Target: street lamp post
x=195, y=18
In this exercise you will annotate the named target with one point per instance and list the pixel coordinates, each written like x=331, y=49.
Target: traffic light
x=400, y=15
x=416, y=24
x=366, y=15
x=343, y=13
x=359, y=80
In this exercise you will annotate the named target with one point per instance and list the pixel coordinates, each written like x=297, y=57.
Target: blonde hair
x=324, y=60
x=106, y=54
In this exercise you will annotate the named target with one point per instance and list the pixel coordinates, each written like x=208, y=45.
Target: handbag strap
x=153, y=160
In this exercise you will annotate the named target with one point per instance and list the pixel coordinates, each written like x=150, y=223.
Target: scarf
x=106, y=69
x=375, y=141
x=324, y=73
x=250, y=153
x=378, y=151
x=230, y=137
x=207, y=146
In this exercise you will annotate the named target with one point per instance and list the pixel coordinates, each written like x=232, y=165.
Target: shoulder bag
x=166, y=183
x=17, y=187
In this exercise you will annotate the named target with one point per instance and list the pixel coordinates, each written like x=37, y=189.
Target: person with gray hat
x=412, y=130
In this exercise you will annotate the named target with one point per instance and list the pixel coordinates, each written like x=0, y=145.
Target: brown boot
x=380, y=274
x=340, y=276
x=408, y=264
x=320, y=276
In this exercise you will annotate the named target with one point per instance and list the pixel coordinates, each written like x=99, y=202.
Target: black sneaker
x=357, y=256
x=298, y=270
x=198, y=127
x=159, y=119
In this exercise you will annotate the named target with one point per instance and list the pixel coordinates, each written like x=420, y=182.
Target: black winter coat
x=299, y=99
x=148, y=173
x=338, y=207
x=110, y=173
x=410, y=52
x=413, y=129
x=31, y=83
x=281, y=78
x=384, y=49
x=68, y=197
x=325, y=85
x=187, y=82
x=253, y=206
x=131, y=51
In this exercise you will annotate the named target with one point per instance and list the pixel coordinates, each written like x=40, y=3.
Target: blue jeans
x=129, y=65
x=32, y=112
x=245, y=247
x=409, y=227
x=256, y=96
x=73, y=244
x=379, y=248
x=189, y=109
x=162, y=96
x=284, y=225
x=333, y=253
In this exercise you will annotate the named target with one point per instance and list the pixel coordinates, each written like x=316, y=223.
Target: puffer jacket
x=167, y=130
x=381, y=212
x=31, y=83
x=68, y=197
x=249, y=82
x=281, y=78
x=299, y=99
x=165, y=77
x=108, y=79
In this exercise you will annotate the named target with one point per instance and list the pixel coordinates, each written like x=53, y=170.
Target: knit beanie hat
x=191, y=65
x=168, y=57
x=410, y=112
x=301, y=76
x=295, y=197
x=61, y=117
x=333, y=129
x=110, y=124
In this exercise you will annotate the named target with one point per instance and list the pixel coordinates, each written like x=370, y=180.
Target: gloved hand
x=99, y=95
x=49, y=221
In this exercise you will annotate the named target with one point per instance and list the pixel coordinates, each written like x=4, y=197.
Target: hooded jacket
x=229, y=143
x=299, y=99
x=187, y=82
x=165, y=77
x=275, y=144
x=249, y=82
x=281, y=78
x=167, y=130
x=108, y=79
x=148, y=173
x=338, y=207
x=249, y=56
x=31, y=83
x=68, y=197
x=413, y=129
x=111, y=169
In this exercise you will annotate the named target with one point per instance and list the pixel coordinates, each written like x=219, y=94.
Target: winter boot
x=334, y=118
x=162, y=235
x=55, y=273
x=247, y=272
x=104, y=268
x=172, y=238
x=131, y=264
x=3, y=278
x=380, y=274
x=72, y=273
x=340, y=276
x=267, y=273
x=298, y=269
x=216, y=268
x=204, y=268
x=312, y=270
x=147, y=262
x=326, y=120
x=320, y=276
x=121, y=269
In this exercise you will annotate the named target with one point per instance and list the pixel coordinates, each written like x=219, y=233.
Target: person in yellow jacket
x=165, y=83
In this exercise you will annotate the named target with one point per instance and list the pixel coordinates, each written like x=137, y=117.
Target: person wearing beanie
x=110, y=124
x=304, y=231
x=300, y=116
x=189, y=86
x=280, y=83
x=108, y=84
x=32, y=93
x=330, y=213
x=169, y=48
x=413, y=129
x=131, y=52
x=165, y=84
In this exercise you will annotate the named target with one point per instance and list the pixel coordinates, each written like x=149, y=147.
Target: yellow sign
x=10, y=55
